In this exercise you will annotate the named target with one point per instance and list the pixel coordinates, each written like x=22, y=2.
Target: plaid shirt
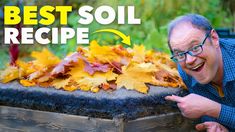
x=227, y=114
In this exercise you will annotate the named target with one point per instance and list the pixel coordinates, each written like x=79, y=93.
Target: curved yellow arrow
x=125, y=39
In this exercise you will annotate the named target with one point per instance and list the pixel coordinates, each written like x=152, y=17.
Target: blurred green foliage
x=4, y=57
x=154, y=15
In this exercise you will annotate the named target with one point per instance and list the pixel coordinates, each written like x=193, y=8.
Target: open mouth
x=198, y=67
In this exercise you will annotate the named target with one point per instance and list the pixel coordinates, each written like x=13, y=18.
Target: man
x=207, y=67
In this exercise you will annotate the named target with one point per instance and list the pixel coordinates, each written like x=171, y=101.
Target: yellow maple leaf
x=88, y=83
x=103, y=54
x=109, y=76
x=44, y=58
x=70, y=88
x=163, y=58
x=66, y=84
x=9, y=74
x=172, y=71
x=92, y=82
x=84, y=80
x=138, y=53
x=121, y=51
x=25, y=68
x=83, y=50
x=135, y=76
x=27, y=83
x=77, y=71
x=60, y=83
x=163, y=61
x=95, y=89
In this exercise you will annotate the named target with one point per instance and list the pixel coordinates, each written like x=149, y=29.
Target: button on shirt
x=227, y=101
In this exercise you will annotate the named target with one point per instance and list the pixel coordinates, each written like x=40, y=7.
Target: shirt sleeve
x=227, y=116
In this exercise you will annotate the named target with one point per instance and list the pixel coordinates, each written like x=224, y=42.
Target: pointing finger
x=201, y=127
x=174, y=98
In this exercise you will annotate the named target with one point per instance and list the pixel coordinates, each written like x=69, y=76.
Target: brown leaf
x=67, y=62
x=92, y=68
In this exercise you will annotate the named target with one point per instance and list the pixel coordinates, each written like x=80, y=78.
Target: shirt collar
x=194, y=82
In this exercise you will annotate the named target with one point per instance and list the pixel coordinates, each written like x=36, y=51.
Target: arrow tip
x=127, y=40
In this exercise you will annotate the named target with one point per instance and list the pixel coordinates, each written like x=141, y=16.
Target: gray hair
x=196, y=20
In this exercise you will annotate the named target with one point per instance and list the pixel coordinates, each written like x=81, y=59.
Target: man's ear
x=214, y=38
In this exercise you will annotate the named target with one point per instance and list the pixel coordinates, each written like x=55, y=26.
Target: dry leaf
x=9, y=74
x=70, y=88
x=67, y=62
x=103, y=54
x=92, y=68
x=27, y=83
x=97, y=67
x=44, y=58
x=96, y=80
x=138, y=53
x=25, y=68
x=60, y=83
x=135, y=76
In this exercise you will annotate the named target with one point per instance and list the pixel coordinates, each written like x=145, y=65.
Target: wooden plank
x=164, y=122
x=19, y=119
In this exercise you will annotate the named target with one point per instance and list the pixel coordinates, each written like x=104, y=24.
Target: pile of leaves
x=96, y=67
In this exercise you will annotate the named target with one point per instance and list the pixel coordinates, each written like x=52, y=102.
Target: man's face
x=204, y=66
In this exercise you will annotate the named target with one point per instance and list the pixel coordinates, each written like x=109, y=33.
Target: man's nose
x=190, y=59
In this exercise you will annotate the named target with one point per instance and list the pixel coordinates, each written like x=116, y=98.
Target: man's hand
x=211, y=127
x=195, y=106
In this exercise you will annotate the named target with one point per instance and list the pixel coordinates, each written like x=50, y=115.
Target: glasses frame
x=190, y=50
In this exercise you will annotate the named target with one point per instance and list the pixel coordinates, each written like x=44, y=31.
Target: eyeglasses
x=196, y=50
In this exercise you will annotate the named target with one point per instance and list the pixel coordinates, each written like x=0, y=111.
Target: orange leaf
x=70, y=88
x=27, y=83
